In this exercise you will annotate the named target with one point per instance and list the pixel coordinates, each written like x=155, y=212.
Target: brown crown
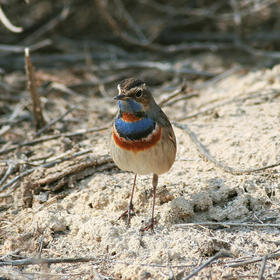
x=130, y=83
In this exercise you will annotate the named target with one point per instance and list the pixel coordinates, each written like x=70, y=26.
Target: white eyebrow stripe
x=119, y=88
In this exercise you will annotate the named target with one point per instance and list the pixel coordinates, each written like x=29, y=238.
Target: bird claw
x=127, y=214
x=149, y=226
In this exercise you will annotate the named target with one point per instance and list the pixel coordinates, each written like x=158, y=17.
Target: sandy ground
x=243, y=133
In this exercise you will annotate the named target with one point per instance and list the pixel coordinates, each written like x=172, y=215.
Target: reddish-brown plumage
x=137, y=145
x=128, y=117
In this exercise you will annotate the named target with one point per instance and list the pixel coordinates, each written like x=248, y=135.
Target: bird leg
x=130, y=205
x=152, y=222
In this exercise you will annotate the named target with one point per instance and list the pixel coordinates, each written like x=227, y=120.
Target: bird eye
x=138, y=94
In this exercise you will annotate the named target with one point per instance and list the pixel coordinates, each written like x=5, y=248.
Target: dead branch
x=8, y=88
x=63, y=88
x=106, y=80
x=50, y=25
x=235, y=16
x=78, y=57
x=261, y=273
x=42, y=275
x=227, y=225
x=171, y=99
x=31, y=84
x=196, y=46
x=72, y=167
x=131, y=22
x=221, y=254
x=115, y=27
x=161, y=66
x=10, y=191
x=254, y=36
x=256, y=52
x=253, y=260
x=175, y=100
x=219, y=77
x=7, y=23
x=64, y=157
x=171, y=10
x=155, y=47
x=182, y=89
x=55, y=60
x=40, y=158
x=43, y=129
x=12, y=274
x=204, y=152
x=8, y=123
x=51, y=137
x=45, y=165
x=25, y=173
x=251, y=95
x=12, y=167
x=21, y=49
x=248, y=8
x=33, y=261
x=54, y=179
x=14, y=115
x=59, y=175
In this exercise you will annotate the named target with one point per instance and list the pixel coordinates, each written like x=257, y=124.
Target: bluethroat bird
x=142, y=138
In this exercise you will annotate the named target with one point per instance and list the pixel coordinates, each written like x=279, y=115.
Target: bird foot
x=127, y=214
x=149, y=226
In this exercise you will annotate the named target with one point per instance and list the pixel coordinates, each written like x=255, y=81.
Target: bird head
x=133, y=96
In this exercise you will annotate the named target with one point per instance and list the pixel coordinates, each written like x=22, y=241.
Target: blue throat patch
x=135, y=130
x=129, y=106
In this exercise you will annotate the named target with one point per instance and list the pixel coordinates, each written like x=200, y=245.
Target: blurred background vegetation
x=72, y=33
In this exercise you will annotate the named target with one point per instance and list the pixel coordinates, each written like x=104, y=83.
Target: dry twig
x=50, y=25
x=178, y=91
x=253, y=260
x=7, y=23
x=131, y=21
x=12, y=274
x=256, y=52
x=49, y=276
x=156, y=47
x=64, y=89
x=10, y=191
x=221, y=254
x=74, y=167
x=175, y=100
x=9, y=89
x=51, y=137
x=14, y=115
x=163, y=66
x=12, y=166
x=106, y=80
x=31, y=84
x=204, y=152
x=21, y=49
x=218, y=77
x=45, y=165
x=227, y=225
x=115, y=27
x=261, y=273
x=251, y=95
x=33, y=261
x=43, y=129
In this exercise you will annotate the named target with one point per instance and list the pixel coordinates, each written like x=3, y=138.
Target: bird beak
x=120, y=97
